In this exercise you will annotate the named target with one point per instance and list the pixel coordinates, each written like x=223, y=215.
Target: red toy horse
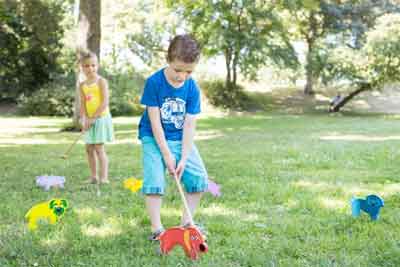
x=189, y=238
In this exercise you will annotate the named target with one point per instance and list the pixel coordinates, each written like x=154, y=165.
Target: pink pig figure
x=46, y=182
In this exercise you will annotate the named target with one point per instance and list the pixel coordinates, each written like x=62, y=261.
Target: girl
x=96, y=117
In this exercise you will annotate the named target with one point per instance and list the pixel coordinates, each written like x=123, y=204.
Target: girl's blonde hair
x=86, y=55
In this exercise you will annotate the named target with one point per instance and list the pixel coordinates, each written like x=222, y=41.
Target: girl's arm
x=158, y=132
x=82, y=109
x=189, y=128
x=105, y=98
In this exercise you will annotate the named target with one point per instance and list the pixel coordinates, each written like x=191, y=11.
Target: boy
x=167, y=128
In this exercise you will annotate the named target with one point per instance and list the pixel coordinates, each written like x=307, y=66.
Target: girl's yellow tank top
x=93, y=99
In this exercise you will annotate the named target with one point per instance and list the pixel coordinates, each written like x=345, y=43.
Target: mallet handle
x=189, y=214
x=76, y=140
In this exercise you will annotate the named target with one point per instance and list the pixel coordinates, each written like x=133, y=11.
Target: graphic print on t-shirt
x=173, y=111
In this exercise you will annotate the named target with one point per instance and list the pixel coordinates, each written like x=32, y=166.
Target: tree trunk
x=228, y=60
x=234, y=68
x=90, y=18
x=361, y=88
x=308, y=88
x=310, y=39
x=89, y=37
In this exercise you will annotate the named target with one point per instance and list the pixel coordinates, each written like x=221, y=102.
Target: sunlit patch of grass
x=330, y=203
x=109, y=227
x=390, y=189
x=171, y=212
x=205, y=135
x=87, y=213
x=360, y=138
x=218, y=210
x=54, y=240
x=123, y=141
x=126, y=120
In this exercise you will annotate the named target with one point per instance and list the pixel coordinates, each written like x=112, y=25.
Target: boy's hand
x=170, y=161
x=180, y=168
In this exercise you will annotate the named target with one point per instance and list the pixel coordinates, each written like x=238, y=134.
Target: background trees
x=248, y=34
x=375, y=65
x=39, y=38
x=325, y=25
x=30, y=44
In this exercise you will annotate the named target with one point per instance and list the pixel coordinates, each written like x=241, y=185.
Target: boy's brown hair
x=184, y=48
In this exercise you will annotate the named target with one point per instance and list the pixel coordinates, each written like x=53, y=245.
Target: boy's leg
x=193, y=200
x=153, y=181
x=194, y=179
x=103, y=162
x=91, y=155
x=153, y=206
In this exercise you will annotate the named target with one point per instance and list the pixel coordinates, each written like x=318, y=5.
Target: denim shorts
x=194, y=177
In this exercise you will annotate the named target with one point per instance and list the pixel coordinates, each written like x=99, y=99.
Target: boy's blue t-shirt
x=174, y=103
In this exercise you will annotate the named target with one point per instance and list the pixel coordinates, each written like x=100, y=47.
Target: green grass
x=286, y=180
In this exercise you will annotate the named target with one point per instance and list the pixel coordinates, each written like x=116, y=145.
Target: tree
x=376, y=64
x=326, y=24
x=248, y=34
x=90, y=25
x=89, y=38
x=148, y=35
x=30, y=35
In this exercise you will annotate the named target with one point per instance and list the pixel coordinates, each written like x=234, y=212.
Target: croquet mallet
x=65, y=155
x=189, y=238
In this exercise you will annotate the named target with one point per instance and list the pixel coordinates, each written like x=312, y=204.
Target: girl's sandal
x=92, y=180
x=104, y=181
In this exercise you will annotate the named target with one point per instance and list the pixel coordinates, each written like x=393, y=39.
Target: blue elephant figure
x=371, y=205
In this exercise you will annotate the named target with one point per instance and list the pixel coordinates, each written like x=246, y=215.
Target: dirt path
x=7, y=109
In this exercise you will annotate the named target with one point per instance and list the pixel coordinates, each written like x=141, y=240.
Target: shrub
x=125, y=90
x=226, y=96
x=57, y=97
x=53, y=99
x=125, y=105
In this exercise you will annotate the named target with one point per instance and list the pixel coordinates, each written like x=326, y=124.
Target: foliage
x=383, y=50
x=57, y=97
x=221, y=95
x=377, y=63
x=144, y=27
x=29, y=44
x=53, y=99
x=248, y=34
x=125, y=90
x=325, y=25
x=147, y=44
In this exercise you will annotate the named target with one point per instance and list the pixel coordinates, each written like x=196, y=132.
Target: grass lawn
x=287, y=181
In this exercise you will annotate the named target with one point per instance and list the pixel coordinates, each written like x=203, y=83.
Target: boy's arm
x=189, y=128
x=105, y=98
x=158, y=132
